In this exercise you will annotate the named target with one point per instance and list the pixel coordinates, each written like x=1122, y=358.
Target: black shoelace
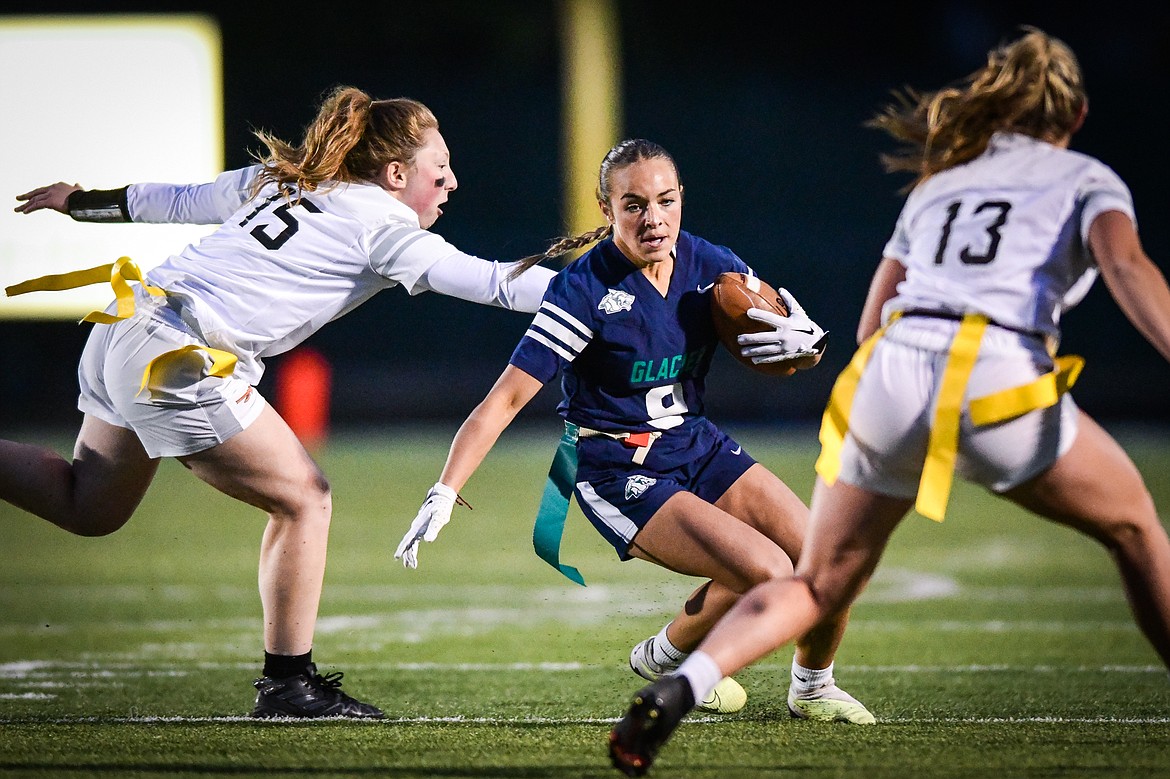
x=330, y=681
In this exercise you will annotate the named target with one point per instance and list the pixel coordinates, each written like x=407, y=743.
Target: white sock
x=664, y=653
x=808, y=679
x=700, y=670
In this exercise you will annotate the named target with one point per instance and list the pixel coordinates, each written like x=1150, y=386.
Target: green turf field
x=990, y=645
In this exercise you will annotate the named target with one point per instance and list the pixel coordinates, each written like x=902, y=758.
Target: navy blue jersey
x=633, y=360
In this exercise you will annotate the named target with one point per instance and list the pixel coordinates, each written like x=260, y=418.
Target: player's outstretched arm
x=1134, y=281
x=470, y=278
x=155, y=203
x=471, y=444
x=51, y=196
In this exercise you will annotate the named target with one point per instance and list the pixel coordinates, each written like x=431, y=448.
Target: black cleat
x=652, y=717
x=308, y=695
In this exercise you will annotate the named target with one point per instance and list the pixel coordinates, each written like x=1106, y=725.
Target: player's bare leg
x=1096, y=488
x=761, y=500
x=266, y=467
x=691, y=536
x=93, y=494
x=847, y=535
x=842, y=549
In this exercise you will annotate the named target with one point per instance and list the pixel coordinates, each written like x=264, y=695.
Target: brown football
x=731, y=296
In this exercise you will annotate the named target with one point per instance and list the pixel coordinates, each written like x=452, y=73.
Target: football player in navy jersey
x=1004, y=230
x=628, y=327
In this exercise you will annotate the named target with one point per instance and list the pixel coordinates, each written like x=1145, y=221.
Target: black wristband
x=98, y=205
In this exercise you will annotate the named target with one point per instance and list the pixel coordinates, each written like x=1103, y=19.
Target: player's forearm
x=1141, y=292
x=208, y=203
x=889, y=274
x=470, y=278
x=1134, y=281
x=483, y=427
x=476, y=437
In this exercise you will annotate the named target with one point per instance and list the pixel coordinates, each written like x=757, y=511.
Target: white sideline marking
x=413, y=627
x=42, y=673
x=889, y=585
x=457, y=720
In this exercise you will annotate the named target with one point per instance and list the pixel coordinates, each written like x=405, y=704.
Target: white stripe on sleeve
x=556, y=347
x=554, y=329
x=569, y=319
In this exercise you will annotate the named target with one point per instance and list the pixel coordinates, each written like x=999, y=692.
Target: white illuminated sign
x=101, y=101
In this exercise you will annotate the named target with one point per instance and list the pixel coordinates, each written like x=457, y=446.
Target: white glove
x=435, y=512
x=793, y=336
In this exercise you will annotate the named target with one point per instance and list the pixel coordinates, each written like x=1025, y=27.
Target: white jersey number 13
x=970, y=255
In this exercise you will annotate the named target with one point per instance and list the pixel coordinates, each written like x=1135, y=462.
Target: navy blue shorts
x=619, y=497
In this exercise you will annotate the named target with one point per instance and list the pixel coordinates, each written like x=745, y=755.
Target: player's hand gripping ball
x=784, y=339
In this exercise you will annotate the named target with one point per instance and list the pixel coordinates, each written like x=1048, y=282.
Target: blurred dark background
x=762, y=106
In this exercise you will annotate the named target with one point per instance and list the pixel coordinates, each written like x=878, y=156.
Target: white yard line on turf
x=458, y=720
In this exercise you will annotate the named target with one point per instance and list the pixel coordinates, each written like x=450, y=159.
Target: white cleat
x=828, y=703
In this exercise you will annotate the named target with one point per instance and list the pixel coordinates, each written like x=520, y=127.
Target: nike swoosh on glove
x=792, y=336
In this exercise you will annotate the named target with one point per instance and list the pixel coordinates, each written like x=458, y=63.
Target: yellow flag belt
x=938, y=469
x=119, y=274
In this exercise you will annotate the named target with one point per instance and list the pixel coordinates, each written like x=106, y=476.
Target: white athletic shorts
x=185, y=410
x=889, y=424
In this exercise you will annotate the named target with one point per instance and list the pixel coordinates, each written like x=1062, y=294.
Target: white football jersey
x=1005, y=235
x=278, y=269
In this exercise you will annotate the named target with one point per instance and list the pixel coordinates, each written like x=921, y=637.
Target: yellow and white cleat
x=728, y=696
x=828, y=703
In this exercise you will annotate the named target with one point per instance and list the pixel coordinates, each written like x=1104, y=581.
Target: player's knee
x=306, y=498
x=755, y=603
x=319, y=485
x=94, y=524
x=1135, y=531
x=765, y=568
x=829, y=594
x=1124, y=524
x=778, y=594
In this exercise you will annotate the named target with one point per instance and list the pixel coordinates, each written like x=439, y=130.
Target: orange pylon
x=303, y=388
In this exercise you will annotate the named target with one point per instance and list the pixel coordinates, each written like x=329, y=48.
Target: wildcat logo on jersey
x=615, y=301
x=637, y=485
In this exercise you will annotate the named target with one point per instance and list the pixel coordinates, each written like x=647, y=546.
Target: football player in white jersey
x=1003, y=231
x=171, y=367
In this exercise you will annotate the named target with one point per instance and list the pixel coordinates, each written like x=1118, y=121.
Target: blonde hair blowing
x=1032, y=85
x=351, y=139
